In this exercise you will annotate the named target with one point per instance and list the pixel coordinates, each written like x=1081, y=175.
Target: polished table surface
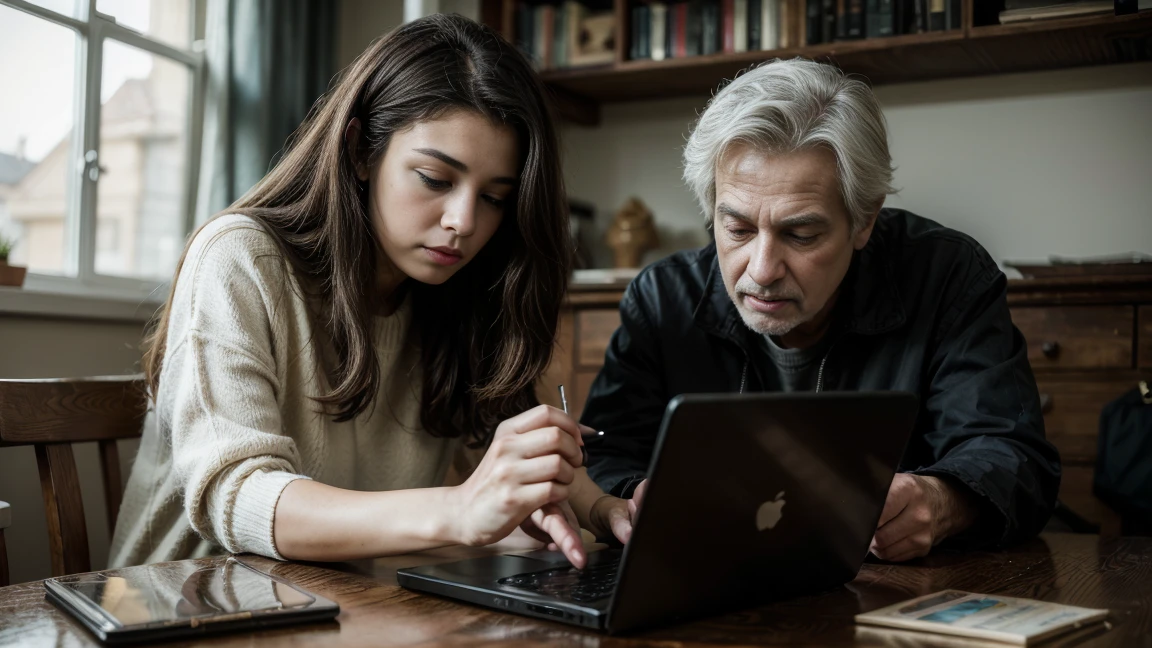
x=1073, y=569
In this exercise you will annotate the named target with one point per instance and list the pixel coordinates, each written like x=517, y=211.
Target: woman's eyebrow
x=458, y=165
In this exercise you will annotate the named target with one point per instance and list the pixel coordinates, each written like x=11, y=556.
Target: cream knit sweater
x=234, y=422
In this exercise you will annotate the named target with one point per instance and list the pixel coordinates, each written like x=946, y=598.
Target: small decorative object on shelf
x=9, y=275
x=631, y=234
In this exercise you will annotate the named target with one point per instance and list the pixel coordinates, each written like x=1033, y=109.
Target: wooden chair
x=53, y=414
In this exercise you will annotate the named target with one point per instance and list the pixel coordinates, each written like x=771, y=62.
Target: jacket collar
x=869, y=302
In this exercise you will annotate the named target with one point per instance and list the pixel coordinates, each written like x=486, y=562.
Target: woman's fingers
x=552, y=520
x=533, y=496
x=545, y=441
x=550, y=467
x=542, y=416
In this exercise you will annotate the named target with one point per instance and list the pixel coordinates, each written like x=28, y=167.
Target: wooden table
x=1074, y=569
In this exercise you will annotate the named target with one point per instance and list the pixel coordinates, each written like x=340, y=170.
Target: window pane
x=37, y=92
x=67, y=7
x=166, y=20
x=140, y=206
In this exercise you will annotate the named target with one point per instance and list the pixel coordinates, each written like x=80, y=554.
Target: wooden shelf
x=882, y=60
x=973, y=51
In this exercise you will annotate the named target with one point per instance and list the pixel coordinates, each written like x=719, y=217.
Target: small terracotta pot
x=12, y=275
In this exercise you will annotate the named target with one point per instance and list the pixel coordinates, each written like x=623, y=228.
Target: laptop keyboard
x=593, y=583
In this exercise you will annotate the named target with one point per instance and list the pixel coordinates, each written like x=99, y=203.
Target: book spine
x=646, y=32
x=538, y=37
x=659, y=26
x=755, y=22
x=524, y=21
x=936, y=15
x=683, y=14
x=888, y=18
x=903, y=18
x=954, y=17
x=770, y=24
x=727, y=26
x=634, y=44
x=549, y=37
x=740, y=26
x=708, y=27
x=855, y=19
x=558, y=36
x=841, y=20
x=828, y=21
x=785, y=28
x=812, y=22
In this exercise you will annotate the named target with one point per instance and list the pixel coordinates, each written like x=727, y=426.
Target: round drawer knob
x=1050, y=350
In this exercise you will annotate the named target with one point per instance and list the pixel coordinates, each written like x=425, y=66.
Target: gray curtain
x=267, y=63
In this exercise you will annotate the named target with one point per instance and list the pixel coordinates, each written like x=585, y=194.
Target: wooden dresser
x=1089, y=339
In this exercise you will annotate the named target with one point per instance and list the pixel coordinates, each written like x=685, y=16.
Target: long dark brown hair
x=487, y=333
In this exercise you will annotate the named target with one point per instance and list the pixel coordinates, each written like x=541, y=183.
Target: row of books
x=828, y=21
x=572, y=33
x=566, y=34
x=1024, y=10
x=697, y=27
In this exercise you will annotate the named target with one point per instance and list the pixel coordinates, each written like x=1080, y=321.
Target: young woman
x=388, y=291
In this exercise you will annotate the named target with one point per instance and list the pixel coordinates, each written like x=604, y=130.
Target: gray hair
x=785, y=106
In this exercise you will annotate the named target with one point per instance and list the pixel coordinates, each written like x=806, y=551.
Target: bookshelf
x=973, y=50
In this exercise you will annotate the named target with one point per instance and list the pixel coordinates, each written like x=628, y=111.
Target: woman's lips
x=444, y=256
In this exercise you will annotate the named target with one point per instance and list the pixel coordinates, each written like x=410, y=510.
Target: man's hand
x=918, y=514
x=615, y=515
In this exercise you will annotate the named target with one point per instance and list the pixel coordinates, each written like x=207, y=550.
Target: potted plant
x=9, y=275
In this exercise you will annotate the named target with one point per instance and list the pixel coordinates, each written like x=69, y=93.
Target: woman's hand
x=525, y=474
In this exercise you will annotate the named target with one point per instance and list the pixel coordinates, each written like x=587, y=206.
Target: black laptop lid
x=756, y=496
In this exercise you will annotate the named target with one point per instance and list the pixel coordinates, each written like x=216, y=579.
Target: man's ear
x=860, y=238
x=354, y=144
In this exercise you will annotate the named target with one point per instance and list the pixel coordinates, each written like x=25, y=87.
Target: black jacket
x=922, y=309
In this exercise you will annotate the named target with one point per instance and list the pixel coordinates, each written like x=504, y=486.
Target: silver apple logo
x=770, y=513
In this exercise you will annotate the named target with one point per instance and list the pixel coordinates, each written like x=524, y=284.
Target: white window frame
x=93, y=29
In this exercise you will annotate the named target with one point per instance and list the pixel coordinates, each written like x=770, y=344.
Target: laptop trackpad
x=493, y=568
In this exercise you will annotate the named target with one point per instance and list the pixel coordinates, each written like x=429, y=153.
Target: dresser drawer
x=594, y=328
x=1077, y=337
x=1072, y=411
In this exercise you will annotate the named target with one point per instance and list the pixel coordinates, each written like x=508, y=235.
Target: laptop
x=751, y=497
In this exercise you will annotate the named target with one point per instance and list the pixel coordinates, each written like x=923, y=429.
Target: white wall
x=1029, y=164
x=361, y=22
x=37, y=347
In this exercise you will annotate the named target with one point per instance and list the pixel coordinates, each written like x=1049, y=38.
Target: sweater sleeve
x=218, y=389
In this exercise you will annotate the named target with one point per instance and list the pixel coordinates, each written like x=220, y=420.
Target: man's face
x=784, y=239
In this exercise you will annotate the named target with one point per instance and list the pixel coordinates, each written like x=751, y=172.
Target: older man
x=810, y=286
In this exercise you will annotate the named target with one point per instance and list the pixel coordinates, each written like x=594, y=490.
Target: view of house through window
x=37, y=116
x=141, y=199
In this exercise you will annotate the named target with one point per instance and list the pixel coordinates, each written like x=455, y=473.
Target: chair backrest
x=51, y=415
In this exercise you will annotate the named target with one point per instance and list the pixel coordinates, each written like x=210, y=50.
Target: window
x=97, y=129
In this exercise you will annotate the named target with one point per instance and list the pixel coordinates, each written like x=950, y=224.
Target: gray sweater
x=234, y=423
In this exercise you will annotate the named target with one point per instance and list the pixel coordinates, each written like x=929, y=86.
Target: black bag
x=1123, y=477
